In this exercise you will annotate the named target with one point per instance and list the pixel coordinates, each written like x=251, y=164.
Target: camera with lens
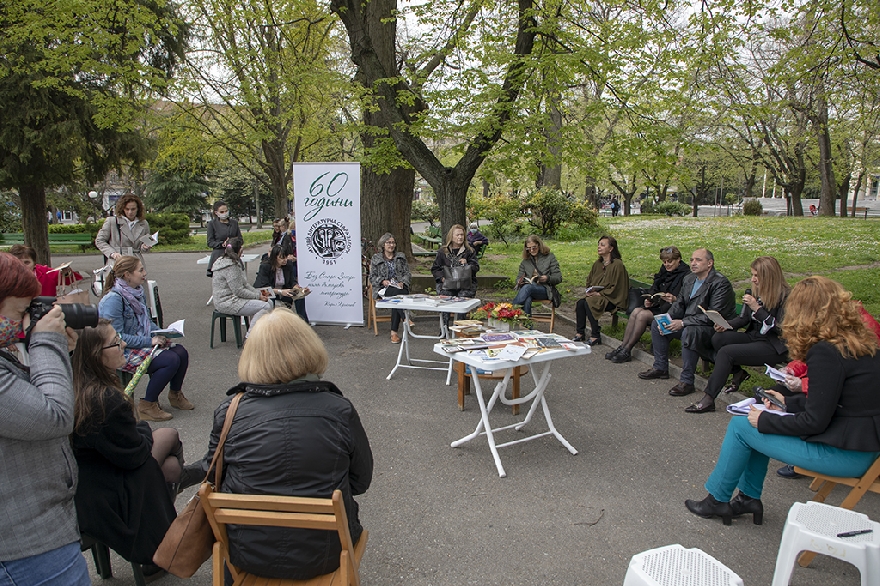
x=76, y=315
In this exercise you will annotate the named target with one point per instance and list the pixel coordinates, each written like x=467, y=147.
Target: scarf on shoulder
x=134, y=296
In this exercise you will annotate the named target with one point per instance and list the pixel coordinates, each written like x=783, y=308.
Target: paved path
x=440, y=516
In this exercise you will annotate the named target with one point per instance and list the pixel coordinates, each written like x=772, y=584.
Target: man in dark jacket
x=704, y=287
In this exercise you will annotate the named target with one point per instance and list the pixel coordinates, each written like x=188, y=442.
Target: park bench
x=84, y=241
x=860, y=211
x=430, y=238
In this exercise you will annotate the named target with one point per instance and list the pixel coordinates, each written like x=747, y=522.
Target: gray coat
x=546, y=265
x=38, y=480
x=115, y=234
x=379, y=271
x=230, y=287
x=715, y=293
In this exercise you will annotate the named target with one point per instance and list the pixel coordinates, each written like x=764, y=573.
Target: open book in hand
x=299, y=292
x=716, y=318
x=655, y=297
x=174, y=330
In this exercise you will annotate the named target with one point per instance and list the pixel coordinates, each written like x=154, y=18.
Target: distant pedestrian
x=615, y=207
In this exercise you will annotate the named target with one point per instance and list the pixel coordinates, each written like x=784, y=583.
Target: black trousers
x=582, y=314
x=396, y=314
x=735, y=349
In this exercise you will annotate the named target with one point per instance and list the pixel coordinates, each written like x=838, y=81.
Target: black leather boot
x=622, y=356
x=709, y=507
x=612, y=353
x=744, y=505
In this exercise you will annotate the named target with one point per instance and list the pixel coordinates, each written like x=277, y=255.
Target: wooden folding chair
x=824, y=484
x=372, y=318
x=543, y=317
x=281, y=511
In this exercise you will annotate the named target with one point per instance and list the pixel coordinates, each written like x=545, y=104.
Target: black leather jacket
x=294, y=439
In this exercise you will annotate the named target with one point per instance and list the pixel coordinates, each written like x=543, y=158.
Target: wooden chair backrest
x=281, y=511
x=372, y=317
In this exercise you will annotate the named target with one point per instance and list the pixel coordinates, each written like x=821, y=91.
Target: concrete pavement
x=442, y=516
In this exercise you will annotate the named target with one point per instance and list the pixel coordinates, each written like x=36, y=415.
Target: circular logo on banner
x=328, y=239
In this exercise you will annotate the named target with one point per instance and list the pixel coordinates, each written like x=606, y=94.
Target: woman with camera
x=760, y=342
x=124, y=305
x=127, y=233
x=128, y=472
x=834, y=429
x=39, y=543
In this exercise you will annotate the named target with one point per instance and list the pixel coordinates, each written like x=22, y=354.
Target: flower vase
x=498, y=325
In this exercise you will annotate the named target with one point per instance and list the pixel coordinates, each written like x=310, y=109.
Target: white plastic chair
x=814, y=527
x=674, y=565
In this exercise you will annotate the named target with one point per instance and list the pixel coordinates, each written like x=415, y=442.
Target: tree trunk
x=843, y=192
x=551, y=176
x=33, y=221
x=826, y=169
x=858, y=188
x=451, y=196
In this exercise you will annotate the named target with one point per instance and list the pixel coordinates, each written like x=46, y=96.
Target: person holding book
x=834, y=429
x=127, y=233
x=39, y=541
x=455, y=253
x=220, y=229
x=538, y=275
x=279, y=273
x=759, y=343
x=607, y=290
x=46, y=275
x=703, y=287
x=233, y=295
x=390, y=276
x=663, y=292
x=128, y=471
x=293, y=434
x=124, y=305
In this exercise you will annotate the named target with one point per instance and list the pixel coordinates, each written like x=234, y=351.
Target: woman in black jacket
x=763, y=310
x=456, y=252
x=279, y=273
x=834, y=430
x=664, y=290
x=128, y=473
x=293, y=435
x=220, y=229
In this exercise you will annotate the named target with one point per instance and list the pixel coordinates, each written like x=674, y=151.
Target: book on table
x=716, y=318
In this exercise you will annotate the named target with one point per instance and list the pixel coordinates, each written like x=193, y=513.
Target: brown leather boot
x=150, y=411
x=178, y=401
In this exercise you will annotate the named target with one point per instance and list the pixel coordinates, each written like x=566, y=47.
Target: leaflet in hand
x=174, y=330
x=774, y=373
x=593, y=289
x=744, y=406
x=716, y=318
x=664, y=320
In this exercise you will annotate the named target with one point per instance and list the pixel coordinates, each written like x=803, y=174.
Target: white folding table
x=536, y=397
x=431, y=304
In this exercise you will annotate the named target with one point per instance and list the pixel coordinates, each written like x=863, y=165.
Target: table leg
x=464, y=385
x=484, y=423
x=517, y=372
x=404, y=346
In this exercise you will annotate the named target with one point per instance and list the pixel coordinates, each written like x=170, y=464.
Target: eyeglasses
x=533, y=247
x=117, y=341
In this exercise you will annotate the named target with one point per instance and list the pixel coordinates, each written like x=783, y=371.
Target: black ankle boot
x=622, y=356
x=709, y=507
x=612, y=353
x=744, y=505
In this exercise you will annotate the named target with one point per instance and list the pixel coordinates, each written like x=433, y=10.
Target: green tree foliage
x=73, y=82
x=426, y=211
x=178, y=188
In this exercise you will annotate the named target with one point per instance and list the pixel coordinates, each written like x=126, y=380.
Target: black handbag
x=635, y=299
x=457, y=277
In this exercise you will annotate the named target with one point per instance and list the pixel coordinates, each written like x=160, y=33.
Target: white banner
x=327, y=205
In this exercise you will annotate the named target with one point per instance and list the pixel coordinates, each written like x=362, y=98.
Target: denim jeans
x=660, y=347
x=528, y=292
x=64, y=566
x=746, y=452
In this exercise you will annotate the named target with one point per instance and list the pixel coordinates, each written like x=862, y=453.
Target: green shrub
x=672, y=208
x=425, y=211
x=546, y=209
x=173, y=228
x=503, y=212
x=752, y=207
x=647, y=207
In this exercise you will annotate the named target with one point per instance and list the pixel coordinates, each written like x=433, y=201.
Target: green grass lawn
x=844, y=249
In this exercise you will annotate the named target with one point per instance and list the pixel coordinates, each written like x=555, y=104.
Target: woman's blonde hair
x=281, y=347
x=771, y=287
x=124, y=264
x=449, y=234
x=821, y=309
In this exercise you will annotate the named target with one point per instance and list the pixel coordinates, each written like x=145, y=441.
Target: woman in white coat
x=127, y=233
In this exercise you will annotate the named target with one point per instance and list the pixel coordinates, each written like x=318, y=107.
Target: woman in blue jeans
x=835, y=429
x=124, y=305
